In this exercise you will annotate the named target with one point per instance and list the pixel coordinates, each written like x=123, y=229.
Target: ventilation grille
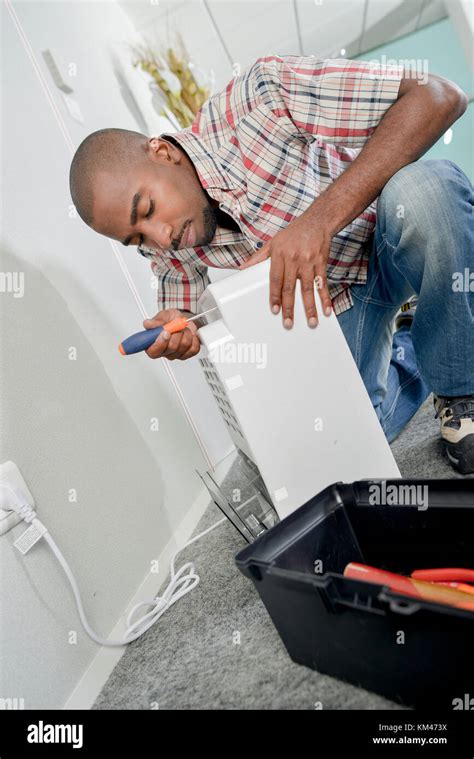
x=220, y=394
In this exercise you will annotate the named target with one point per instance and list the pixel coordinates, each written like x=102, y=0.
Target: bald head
x=104, y=151
x=141, y=191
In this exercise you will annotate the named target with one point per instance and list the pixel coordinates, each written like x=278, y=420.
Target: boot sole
x=462, y=454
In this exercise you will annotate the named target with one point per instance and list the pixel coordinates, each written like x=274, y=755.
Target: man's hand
x=181, y=345
x=299, y=251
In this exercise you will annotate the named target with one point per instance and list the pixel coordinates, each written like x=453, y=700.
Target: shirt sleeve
x=337, y=100
x=179, y=284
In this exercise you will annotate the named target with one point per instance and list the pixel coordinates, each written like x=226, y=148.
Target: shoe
x=457, y=430
x=406, y=312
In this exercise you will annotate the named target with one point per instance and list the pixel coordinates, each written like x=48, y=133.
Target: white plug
x=11, y=477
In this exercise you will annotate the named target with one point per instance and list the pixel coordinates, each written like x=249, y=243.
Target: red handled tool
x=459, y=586
x=446, y=574
x=409, y=586
x=451, y=577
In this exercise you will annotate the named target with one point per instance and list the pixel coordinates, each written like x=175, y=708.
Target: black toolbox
x=412, y=651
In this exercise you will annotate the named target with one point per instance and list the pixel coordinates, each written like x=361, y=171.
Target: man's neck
x=223, y=219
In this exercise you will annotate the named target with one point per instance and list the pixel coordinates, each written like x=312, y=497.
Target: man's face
x=158, y=203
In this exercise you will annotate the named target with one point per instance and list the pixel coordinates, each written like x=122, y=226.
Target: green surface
x=439, y=49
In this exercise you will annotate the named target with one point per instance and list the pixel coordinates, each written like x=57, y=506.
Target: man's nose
x=160, y=234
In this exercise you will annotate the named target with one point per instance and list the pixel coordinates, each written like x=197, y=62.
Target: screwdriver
x=140, y=341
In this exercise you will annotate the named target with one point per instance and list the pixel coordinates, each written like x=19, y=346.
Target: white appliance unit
x=293, y=401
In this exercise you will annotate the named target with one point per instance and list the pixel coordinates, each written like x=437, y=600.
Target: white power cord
x=181, y=582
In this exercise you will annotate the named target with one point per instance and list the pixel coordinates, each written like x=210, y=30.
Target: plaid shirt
x=265, y=147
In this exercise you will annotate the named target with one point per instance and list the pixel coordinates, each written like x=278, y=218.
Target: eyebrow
x=133, y=216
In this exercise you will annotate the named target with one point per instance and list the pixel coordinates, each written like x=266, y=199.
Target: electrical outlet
x=10, y=475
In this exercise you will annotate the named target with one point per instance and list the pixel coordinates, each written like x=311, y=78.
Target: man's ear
x=153, y=143
x=161, y=148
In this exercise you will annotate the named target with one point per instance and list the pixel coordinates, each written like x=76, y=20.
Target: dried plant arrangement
x=180, y=88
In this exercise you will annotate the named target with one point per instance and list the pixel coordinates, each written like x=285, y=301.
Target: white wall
x=82, y=424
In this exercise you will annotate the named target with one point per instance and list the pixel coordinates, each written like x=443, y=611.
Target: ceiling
x=219, y=34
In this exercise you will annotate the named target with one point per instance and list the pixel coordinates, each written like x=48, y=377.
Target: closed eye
x=150, y=213
x=152, y=208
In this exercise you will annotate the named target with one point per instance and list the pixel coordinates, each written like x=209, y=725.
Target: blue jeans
x=423, y=244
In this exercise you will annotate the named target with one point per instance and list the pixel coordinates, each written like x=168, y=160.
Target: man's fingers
x=255, y=258
x=277, y=272
x=161, y=318
x=192, y=351
x=307, y=293
x=192, y=327
x=152, y=323
x=322, y=284
x=158, y=348
x=185, y=342
x=288, y=295
x=175, y=341
x=177, y=349
x=164, y=344
x=180, y=345
x=175, y=345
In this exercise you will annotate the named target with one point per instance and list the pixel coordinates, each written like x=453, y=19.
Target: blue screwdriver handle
x=140, y=341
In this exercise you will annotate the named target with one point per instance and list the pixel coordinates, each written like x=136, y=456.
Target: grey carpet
x=189, y=659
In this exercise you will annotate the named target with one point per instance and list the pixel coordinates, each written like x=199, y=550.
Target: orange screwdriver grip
x=176, y=325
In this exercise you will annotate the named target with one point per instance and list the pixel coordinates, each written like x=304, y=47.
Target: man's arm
x=421, y=114
x=413, y=123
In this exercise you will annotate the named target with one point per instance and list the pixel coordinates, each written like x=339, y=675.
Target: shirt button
x=258, y=244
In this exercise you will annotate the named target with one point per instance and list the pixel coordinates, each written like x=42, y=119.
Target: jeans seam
x=360, y=327
x=386, y=242
x=368, y=298
x=394, y=264
x=389, y=415
x=373, y=301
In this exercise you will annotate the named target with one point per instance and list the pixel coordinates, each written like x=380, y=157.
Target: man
x=313, y=163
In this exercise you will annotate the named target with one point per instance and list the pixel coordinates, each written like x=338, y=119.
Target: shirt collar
x=205, y=162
